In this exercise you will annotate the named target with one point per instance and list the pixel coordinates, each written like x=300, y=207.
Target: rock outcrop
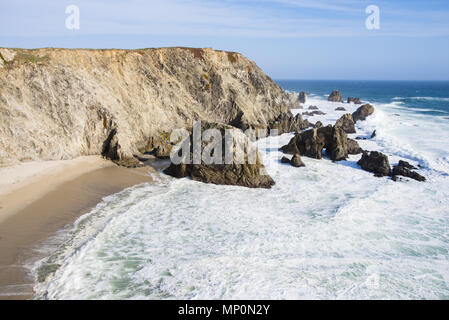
x=286, y=123
x=354, y=100
x=353, y=147
x=362, y=112
x=61, y=103
x=239, y=171
x=313, y=113
x=311, y=143
x=302, y=97
x=312, y=108
x=346, y=123
x=404, y=169
x=375, y=162
x=335, y=96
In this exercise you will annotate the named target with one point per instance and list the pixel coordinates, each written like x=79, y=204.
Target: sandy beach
x=39, y=198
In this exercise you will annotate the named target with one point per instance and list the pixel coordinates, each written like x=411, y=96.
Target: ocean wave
x=422, y=98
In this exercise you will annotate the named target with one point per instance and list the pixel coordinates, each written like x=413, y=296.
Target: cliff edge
x=63, y=103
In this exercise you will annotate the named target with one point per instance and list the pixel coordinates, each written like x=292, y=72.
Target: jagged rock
x=354, y=100
x=335, y=96
x=302, y=97
x=313, y=113
x=285, y=160
x=311, y=143
x=312, y=108
x=244, y=174
x=375, y=162
x=373, y=135
x=353, y=147
x=318, y=124
x=340, y=109
x=286, y=123
x=346, y=123
x=294, y=101
x=404, y=169
x=112, y=150
x=362, y=112
x=297, y=161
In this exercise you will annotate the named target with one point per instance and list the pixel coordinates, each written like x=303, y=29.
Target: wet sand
x=59, y=204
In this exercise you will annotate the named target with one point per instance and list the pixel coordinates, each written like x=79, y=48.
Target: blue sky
x=289, y=39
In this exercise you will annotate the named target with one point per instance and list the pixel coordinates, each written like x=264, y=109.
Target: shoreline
x=40, y=198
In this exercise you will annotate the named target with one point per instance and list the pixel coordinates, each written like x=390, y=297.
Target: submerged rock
x=354, y=100
x=362, y=112
x=313, y=108
x=346, y=123
x=340, y=109
x=246, y=174
x=335, y=96
x=297, y=161
x=375, y=162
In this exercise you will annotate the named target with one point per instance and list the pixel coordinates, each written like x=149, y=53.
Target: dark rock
x=285, y=160
x=312, y=113
x=311, y=143
x=353, y=147
x=340, y=109
x=360, y=138
x=312, y=108
x=335, y=96
x=354, y=100
x=318, y=124
x=362, y=112
x=375, y=162
x=302, y=97
x=373, y=135
x=286, y=122
x=296, y=161
x=245, y=174
x=404, y=169
x=346, y=123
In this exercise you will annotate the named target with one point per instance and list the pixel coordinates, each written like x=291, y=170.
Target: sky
x=288, y=39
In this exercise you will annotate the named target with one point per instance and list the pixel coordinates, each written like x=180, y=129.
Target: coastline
x=39, y=198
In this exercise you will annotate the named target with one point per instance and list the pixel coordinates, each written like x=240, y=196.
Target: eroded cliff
x=61, y=103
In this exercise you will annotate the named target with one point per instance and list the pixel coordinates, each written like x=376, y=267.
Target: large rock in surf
x=353, y=147
x=375, y=162
x=244, y=173
x=302, y=97
x=362, y=112
x=311, y=143
x=335, y=96
x=354, y=100
x=286, y=123
x=346, y=123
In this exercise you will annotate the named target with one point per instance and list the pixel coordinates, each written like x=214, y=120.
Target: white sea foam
x=422, y=98
x=329, y=230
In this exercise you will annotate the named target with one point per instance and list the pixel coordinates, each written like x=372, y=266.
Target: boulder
x=354, y=100
x=246, y=174
x=375, y=162
x=335, y=96
x=340, y=109
x=297, y=161
x=362, y=112
x=346, y=123
x=302, y=97
x=404, y=169
x=285, y=160
x=318, y=124
x=353, y=147
x=311, y=143
x=286, y=123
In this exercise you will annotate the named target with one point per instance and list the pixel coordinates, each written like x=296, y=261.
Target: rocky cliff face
x=60, y=103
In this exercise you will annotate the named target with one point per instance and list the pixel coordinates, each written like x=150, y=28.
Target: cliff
x=61, y=103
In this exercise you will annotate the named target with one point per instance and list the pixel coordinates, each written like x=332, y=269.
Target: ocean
x=326, y=231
